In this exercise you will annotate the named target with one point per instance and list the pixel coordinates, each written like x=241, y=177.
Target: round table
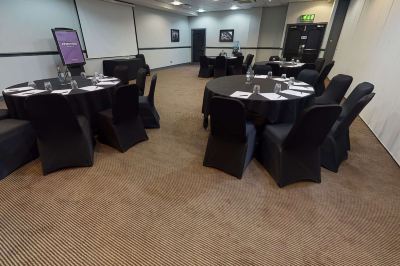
x=83, y=102
x=288, y=68
x=259, y=109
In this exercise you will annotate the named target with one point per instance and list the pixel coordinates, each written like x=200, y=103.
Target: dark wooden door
x=198, y=44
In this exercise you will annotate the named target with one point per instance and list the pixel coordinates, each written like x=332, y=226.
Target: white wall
x=246, y=24
x=368, y=50
x=154, y=31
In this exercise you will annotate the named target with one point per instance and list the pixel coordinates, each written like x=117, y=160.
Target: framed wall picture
x=174, y=35
x=226, y=35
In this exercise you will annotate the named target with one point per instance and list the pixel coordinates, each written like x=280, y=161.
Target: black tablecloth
x=134, y=64
x=259, y=109
x=229, y=60
x=87, y=103
x=288, y=68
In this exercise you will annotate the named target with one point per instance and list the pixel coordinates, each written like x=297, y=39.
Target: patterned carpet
x=157, y=205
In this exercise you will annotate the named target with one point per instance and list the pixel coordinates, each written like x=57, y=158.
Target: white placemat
x=63, y=92
x=241, y=94
x=91, y=88
x=273, y=96
x=108, y=79
x=295, y=93
x=28, y=93
x=18, y=89
x=300, y=88
x=260, y=76
x=280, y=79
x=107, y=83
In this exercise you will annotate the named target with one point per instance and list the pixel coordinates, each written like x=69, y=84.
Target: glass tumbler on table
x=74, y=84
x=48, y=86
x=277, y=88
x=256, y=89
x=32, y=84
x=269, y=74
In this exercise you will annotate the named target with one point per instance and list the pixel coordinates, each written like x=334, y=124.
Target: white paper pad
x=280, y=79
x=295, y=93
x=273, y=96
x=241, y=94
x=91, y=88
x=28, y=93
x=63, y=92
x=108, y=79
x=107, y=83
x=300, y=83
x=18, y=89
x=295, y=65
x=299, y=88
x=260, y=76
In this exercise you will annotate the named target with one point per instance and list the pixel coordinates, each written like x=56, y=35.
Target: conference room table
x=278, y=108
x=82, y=101
x=291, y=69
x=230, y=60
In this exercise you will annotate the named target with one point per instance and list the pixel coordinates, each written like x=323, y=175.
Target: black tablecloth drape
x=134, y=64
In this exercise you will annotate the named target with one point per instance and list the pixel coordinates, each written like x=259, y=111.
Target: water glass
x=269, y=74
x=284, y=59
x=291, y=81
x=256, y=89
x=74, y=84
x=283, y=76
x=83, y=75
x=101, y=76
x=96, y=75
x=32, y=84
x=293, y=62
x=48, y=86
x=94, y=81
x=297, y=61
x=277, y=88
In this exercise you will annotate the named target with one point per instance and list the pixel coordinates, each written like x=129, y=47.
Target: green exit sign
x=307, y=18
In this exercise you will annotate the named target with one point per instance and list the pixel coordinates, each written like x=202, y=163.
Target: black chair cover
x=148, y=111
x=121, y=127
x=231, y=143
x=4, y=114
x=220, y=67
x=308, y=76
x=262, y=69
x=320, y=86
x=122, y=72
x=236, y=68
x=17, y=145
x=274, y=58
x=335, y=147
x=206, y=70
x=276, y=71
x=291, y=153
x=336, y=90
x=319, y=64
x=146, y=66
x=141, y=81
x=64, y=140
x=247, y=63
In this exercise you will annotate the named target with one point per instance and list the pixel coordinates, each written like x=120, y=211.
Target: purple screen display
x=70, y=47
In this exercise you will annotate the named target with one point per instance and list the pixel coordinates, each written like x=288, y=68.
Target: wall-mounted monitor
x=68, y=46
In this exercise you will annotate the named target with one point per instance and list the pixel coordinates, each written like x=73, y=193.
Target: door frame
x=205, y=41
x=304, y=24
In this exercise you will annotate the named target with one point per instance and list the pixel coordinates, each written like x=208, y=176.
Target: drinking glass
x=284, y=59
x=293, y=62
x=48, y=86
x=32, y=84
x=96, y=74
x=297, y=61
x=94, y=81
x=277, y=88
x=101, y=76
x=291, y=81
x=83, y=75
x=269, y=74
x=256, y=89
x=74, y=84
x=283, y=76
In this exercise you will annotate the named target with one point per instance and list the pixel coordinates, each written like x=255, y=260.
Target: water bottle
x=248, y=75
x=60, y=75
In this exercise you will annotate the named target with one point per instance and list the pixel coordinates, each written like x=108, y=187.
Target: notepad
x=273, y=96
x=299, y=88
x=107, y=83
x=28, y=93
x=91, y=88
x=18, y=89
x=62, y=92
x=300, y=83
x=241, y=94
x=280, y=79
x=295, y=93
x=260, y=76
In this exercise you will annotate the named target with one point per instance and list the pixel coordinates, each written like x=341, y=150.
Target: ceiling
x=191, y=7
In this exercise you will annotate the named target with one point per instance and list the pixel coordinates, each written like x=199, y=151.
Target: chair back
x=262, y=69
x=319, y=64
x=239, y=62
x=276, y=71
x=311, y=128
x=337, y=88
x=228, y=119
x=152, y=89
x=220, y=66
x=274, y=58
x=52, y=117
x=359, y=92
x=308, y=76
x=141, y=56
x=249, y=60
x=320, y=87
x=122, y=72
x=141, y=80
x=204, y=62
x=125, y=104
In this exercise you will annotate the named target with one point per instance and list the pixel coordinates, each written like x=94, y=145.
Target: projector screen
x=108, y=28
x=68, y=46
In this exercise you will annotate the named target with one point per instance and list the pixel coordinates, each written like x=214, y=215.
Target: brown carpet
x=157, y=205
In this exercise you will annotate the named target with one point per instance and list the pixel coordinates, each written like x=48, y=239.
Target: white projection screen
x=108, y=28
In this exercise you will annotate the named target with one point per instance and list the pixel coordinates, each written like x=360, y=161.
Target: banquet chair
x=319, y=64
x=336, y=90
x=206, y=70
x=146, y=66
x=320, y=85
x=231, y=142
x=147, y=109
x=247, y=63
x=276, y=70
x=308, y=76
x=17, y=145
x=64, y=139
x=236, y=68
x=262, y=69
x=274, y=58
x=141, y=81
x=220, y=67
x=291, y=153
x=121, y=126
x=121, y=72
x=334, y=148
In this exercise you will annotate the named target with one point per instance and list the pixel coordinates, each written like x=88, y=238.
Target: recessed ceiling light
x=176, y=3
x=200, y=10
x=234, y=7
